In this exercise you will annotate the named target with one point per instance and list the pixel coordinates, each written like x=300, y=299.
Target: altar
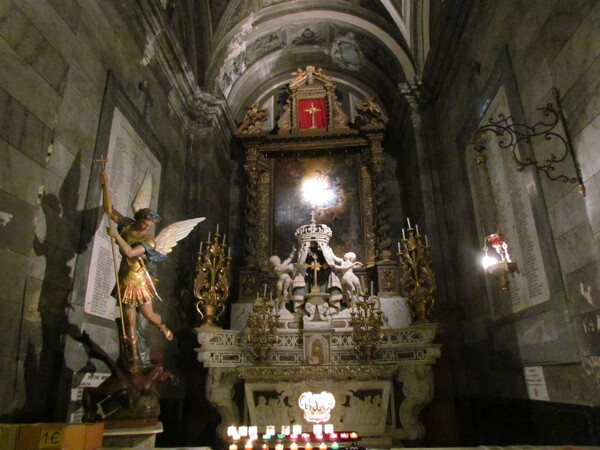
x=315, y=372
x=336, y=333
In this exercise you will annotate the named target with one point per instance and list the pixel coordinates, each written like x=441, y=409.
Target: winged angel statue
x=136, y=287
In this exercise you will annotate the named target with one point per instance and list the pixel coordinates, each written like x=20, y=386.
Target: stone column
x=258, y=214
x=366, y=193
x=208, y=129
x=424, y=129
x=386, y=267
x=412, y=91
x=257, y=230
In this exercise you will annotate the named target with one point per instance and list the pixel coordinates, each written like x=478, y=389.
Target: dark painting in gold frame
x=340, y=172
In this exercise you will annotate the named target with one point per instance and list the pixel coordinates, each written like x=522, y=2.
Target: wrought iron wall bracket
x=511, y=134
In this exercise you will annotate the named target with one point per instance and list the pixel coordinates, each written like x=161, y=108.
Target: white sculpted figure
x=350, y=282
x=284, y=271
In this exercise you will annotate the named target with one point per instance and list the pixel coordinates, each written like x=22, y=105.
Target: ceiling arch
x=274, y=71
x=369, y=44
x=350, y=20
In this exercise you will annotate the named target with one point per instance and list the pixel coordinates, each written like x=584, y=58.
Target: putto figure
x=136, y=287
x=350, y=282
x=284, y=271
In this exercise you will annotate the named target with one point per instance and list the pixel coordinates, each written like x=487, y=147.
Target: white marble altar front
x=363, y=392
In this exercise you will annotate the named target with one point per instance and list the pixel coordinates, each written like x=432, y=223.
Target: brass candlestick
x=418, y=279
x=211, y=285
x=262, y=326
x=366, y=322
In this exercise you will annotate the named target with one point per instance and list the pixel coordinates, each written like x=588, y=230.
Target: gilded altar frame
x=262, y=149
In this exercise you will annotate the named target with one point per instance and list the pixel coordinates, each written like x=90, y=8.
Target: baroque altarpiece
x=312, y=270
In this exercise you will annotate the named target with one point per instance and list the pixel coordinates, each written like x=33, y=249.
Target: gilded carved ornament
x=301, y=373
x=253, y=121
x=388, y=280
x=309, y=75
x=372, y=114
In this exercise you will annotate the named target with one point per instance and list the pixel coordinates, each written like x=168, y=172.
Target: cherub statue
x=350, y=282
x=284, y=271
x=136, y=286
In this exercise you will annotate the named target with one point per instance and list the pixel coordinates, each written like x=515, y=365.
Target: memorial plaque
x=507, y=189
x=129, y=158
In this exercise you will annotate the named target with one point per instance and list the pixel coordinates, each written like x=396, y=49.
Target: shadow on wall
x=42, y=338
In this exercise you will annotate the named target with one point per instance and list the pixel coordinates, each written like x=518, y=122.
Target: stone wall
x=533, y=47
x=55, y=57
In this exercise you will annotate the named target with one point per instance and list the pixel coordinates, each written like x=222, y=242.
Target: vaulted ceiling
x=368, y=46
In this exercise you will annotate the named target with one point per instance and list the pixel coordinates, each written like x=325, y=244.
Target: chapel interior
x=437, y=131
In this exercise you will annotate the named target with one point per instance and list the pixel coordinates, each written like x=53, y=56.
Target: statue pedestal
x=387, y=279
x=134, y=438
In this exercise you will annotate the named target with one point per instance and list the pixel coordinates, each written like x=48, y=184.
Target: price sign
x=51, y=437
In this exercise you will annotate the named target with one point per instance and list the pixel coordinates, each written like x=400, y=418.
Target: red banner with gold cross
x=312, y=113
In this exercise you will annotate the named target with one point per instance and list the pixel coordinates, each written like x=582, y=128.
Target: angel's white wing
x=142, y=198
x=169, y=236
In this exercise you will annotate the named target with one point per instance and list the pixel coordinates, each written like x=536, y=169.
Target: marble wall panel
x=547, y=337
x=554, y=191
x=582, y=103
x=592, y=202
x=61, y=160
x=77, y=124
x=567, y=213
x=583, y=288
x=9, y=341
x=42, y=57
x=53, y=264
x=561, y=380
x=574, y=249
x=27, y=86
x=69, y=10
x=31, y=301
x=101, y=38
x=29, y=43
x=561, y=21
x=588, y=331
x=23, y=130
x=57, y=225
x=13, y=268
x=8, y=369
x=586, y=148
x=581, y=49
x=14, y=165
x=34, y=336
x=544, y=337
x=535, y=15
x=15, y=233
x=71, y=47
